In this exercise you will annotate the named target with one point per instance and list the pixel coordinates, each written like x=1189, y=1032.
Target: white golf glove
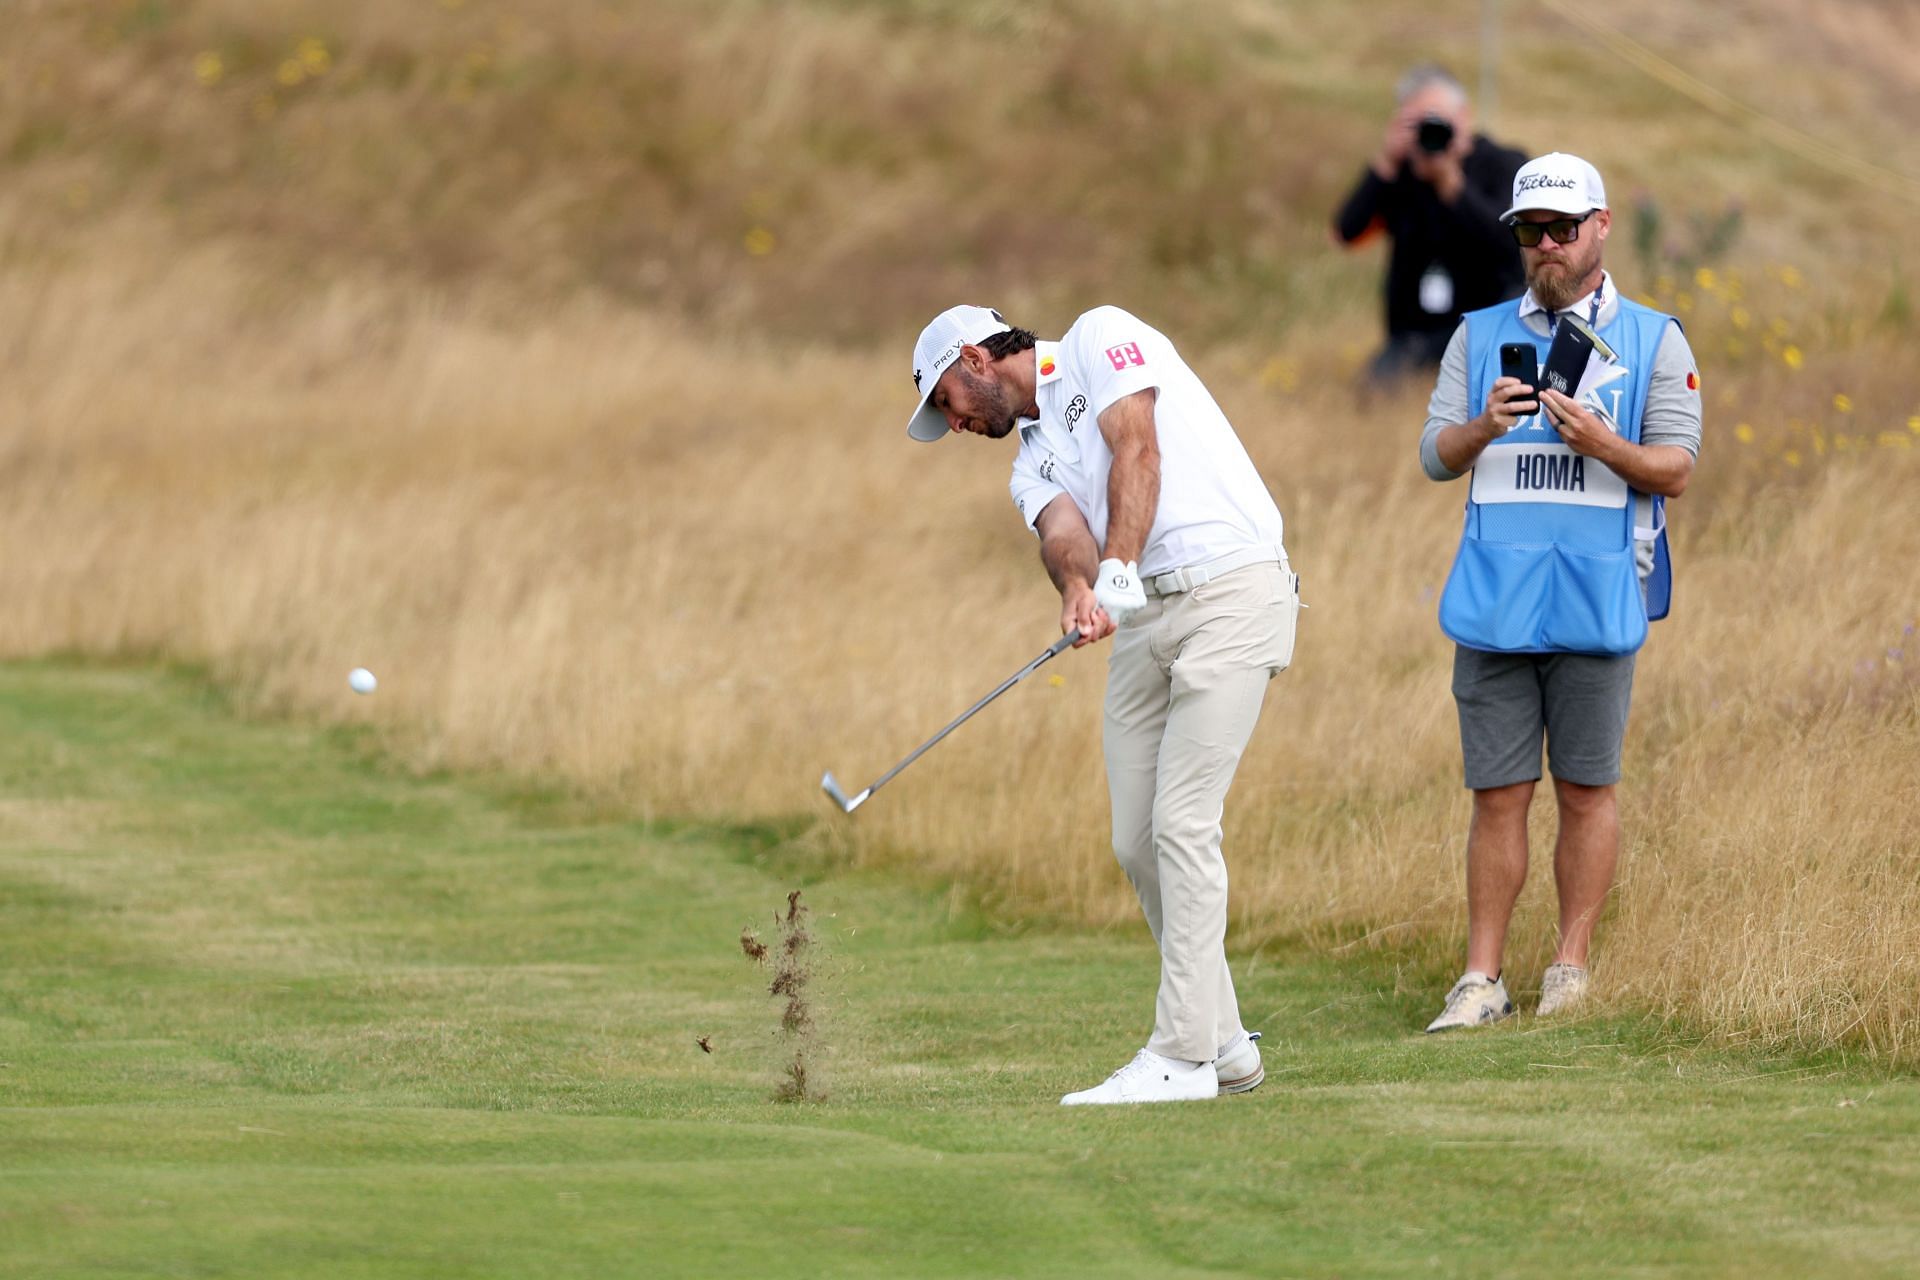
x=1117, y=589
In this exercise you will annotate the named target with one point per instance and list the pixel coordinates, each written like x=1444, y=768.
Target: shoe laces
x=1461, y=990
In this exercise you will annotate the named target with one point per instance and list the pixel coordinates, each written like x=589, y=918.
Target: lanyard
x=1593, y=314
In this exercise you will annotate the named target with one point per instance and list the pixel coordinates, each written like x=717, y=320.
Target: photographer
x=1437, y=188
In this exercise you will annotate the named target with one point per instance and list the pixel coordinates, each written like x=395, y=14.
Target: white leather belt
x=1195, y=575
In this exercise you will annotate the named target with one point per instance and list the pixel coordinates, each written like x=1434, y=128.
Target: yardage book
x=1580, y=361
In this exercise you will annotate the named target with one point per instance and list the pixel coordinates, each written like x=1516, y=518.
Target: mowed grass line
x=269, y=1009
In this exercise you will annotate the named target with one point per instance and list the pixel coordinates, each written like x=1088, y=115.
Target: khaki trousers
x=1184, y=687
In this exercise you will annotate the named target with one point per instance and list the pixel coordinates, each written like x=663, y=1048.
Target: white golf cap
x=1556, y=181
x=938, y=348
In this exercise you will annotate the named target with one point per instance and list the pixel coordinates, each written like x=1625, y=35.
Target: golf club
x=849, y=803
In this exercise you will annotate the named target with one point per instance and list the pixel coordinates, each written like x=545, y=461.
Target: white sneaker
x=1474, y=1001
x=1561, y=987
x=1238, y=1065
x=1151, y=1078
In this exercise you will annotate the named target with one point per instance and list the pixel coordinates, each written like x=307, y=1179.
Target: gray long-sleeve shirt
x=1672, y=415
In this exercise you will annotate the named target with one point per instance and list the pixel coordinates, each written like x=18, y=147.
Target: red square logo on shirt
x=1126, y=354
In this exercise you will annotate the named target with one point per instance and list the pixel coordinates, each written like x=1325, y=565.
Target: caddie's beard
x=991, y=404
x=1557, y=285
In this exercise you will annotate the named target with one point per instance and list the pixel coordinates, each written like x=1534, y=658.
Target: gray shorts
x=1508, y=701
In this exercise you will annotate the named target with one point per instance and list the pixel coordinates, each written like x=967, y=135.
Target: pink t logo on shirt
x=1126, y=354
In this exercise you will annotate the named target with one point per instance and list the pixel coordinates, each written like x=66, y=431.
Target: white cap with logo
x=1557, y=182
x=934, y=354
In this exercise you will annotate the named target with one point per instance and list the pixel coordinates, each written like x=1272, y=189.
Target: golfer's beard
x=992, y=405
x=1557, y=287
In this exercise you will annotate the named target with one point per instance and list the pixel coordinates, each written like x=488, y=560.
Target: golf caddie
x=1158, y=532
x=1562, y=563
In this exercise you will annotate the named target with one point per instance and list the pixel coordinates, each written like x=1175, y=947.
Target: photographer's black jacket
x=1466, y=239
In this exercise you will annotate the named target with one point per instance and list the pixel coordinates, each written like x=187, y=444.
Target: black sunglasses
x=1563, y=230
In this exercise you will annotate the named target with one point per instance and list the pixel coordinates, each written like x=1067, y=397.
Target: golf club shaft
x=1056, y=648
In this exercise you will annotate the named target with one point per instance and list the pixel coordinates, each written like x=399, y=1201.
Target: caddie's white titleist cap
x=938, y=348
x=1556, y=181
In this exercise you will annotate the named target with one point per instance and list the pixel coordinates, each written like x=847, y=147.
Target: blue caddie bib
x=1546, y=559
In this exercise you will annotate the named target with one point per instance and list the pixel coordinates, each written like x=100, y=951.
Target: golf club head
x=839, y=797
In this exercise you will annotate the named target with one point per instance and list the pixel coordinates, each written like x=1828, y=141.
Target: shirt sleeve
x=1363, y=212
x=1672, y=416
x=1031, y=490
x=1119, y=355
x=1447, y=407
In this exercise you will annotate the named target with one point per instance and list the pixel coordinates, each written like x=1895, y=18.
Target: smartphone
x=1520, y=360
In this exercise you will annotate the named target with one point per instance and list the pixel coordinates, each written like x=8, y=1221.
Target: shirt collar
x=1046, y=370
x=1046, y=363
x=1530, y=306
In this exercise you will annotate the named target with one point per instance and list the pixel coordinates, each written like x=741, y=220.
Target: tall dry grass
x=685, y=575
x=823, y=169
x=554, y=369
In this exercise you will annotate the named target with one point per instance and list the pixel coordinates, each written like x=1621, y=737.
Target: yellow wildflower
x=291, y=72
x=1056, y=680
x=1705, y=280
x=1742, y=317
x=1744, y=433
x=759, y=242
x=1791, y=457
x=313, y=56
x=208, y=68
x=1792, y=355
x=1843, y=402
x=1280, y=372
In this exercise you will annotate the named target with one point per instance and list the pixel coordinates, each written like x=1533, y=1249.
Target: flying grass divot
x=790, y=958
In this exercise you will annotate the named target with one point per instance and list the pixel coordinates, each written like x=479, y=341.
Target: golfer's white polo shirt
x=1213, y=503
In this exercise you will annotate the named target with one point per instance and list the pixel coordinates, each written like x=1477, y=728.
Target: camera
x=1435, y=134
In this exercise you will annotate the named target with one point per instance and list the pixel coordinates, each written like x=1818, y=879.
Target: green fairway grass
x=269, y=1009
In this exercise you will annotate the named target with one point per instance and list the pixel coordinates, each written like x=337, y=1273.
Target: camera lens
x=1436, y=134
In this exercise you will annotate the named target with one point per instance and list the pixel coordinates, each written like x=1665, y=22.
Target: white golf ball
x=362, y=680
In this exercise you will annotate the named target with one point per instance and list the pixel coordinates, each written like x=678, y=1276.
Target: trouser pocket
x=1288, y=610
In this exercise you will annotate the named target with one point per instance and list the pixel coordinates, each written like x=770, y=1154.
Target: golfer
x=1562, y=563
x=1158, y=532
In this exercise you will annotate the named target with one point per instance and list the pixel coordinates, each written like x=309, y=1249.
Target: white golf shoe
x=1238, y=1066
x=1561, y=987
x=1151, y=1078
x=1474, y=1001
